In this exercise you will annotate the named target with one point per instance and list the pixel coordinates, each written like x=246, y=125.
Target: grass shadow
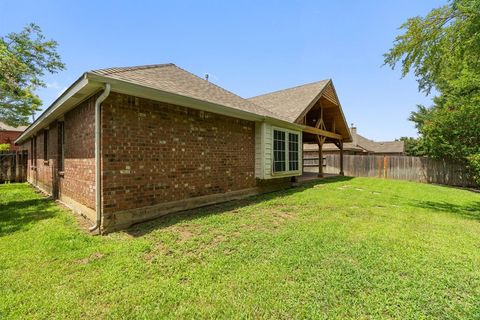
x=469, y=211
x=144, y=228
x=19, y=215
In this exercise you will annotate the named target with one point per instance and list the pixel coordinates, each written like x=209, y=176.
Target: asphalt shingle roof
x=172, y=79
x=290, y=103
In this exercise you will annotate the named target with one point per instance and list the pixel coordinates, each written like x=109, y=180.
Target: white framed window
x=292, y=151
x=285, y=151
x=279, y=150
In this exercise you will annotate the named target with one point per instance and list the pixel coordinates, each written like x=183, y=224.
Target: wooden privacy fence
x=419, y=169
x=13, y=166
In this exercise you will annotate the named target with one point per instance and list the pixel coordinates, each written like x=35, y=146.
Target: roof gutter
x=98, y=158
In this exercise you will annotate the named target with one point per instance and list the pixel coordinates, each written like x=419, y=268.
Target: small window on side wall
x=61, y=146
x=45, y=145
x=35, y=155
x=32, y=151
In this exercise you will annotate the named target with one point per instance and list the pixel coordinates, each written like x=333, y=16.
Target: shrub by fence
x=419, y=169
x=13, y=166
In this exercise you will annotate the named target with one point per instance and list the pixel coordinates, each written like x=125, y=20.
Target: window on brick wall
x=285, y=151
x=34, y=153
x=61, y=146
x=31, y=151
x=45, y=145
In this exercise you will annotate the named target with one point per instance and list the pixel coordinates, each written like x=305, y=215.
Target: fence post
x=340, y=143
x=17, y=166
x=385, y=164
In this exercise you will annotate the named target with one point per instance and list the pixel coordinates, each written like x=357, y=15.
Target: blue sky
x=248, y=47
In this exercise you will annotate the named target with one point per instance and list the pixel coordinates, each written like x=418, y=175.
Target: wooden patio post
x=320, y=142
x=320, y=159
x=340, y=143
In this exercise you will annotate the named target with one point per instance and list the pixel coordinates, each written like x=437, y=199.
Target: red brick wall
x=155, y=153
x=78, y=178
x=9, y=137
x=32, y=175
x=78, y=181
x=43, y=173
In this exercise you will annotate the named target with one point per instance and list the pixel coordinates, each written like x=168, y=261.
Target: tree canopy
x=24, y=59
x=442, y=49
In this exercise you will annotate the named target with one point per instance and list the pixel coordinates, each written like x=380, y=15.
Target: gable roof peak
x=319, y=82
x=290, y=103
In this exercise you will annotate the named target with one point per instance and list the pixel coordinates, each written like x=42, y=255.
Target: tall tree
x=443, y=51
x=24, y=59
x=411, y=146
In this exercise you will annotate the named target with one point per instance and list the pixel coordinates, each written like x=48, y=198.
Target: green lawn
x=342, y=248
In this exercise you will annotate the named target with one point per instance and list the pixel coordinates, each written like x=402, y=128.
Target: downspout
x=98, y=158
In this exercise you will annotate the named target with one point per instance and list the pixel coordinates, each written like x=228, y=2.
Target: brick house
x=9, y=134
x=124, y=145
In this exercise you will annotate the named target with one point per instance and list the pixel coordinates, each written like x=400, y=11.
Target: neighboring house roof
x=170, y=78
x=6, y=127
x=290, y=103
x=380, y=146
x=362, y=144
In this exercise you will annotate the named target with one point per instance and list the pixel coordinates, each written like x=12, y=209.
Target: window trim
x=290, y=152
x=32, y=149
x=45, y=144
x=35, y=151
x=287, y=172
x=61, y=146
x=285, y=152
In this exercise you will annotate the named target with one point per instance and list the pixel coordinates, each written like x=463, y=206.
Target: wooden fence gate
x=419, y=169
x=13, y=166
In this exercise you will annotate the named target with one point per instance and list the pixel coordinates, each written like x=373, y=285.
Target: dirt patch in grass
x=218, y=239
x=158, y=249
x=281, y=216
x=92, y=257
x=185, y=232
x=207, y=246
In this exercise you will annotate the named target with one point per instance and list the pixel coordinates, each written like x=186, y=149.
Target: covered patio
x=315, y=106
x=325, y=123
